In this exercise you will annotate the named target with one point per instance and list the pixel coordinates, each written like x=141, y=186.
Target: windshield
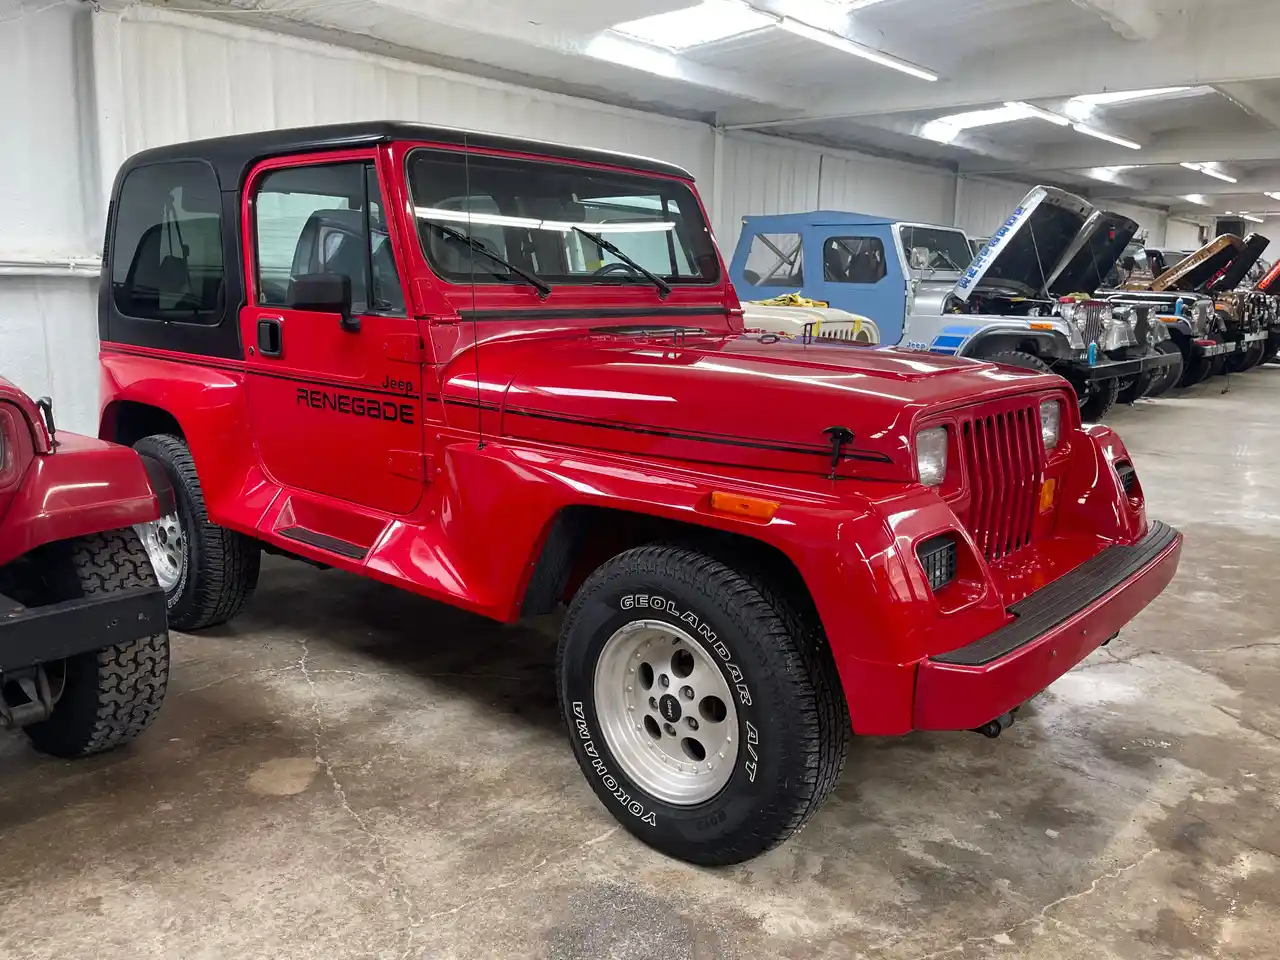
x=945, y=249
x=536, y=215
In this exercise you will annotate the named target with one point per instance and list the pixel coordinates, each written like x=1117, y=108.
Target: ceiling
x=801, y=71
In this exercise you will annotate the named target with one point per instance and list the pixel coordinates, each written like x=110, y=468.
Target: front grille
x=1095, y=317
x=1002, y=457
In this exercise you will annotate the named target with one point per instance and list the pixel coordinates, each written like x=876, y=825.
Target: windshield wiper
x=664, y=288
x=544, y=290
x=945, y=256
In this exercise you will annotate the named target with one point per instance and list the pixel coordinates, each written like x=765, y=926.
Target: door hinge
x=405, y=348
x=412, y=464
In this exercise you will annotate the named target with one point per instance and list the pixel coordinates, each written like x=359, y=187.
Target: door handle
x=270, y=336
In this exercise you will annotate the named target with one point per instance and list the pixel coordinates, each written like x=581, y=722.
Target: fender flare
x=1054, y=345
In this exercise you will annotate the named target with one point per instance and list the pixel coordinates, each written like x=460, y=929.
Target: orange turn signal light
x=1047, y=493
x=1041, y=325
x=740, y=506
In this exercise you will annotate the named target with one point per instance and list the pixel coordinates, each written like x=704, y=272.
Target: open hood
x=1271, y=282
x=1202, y=266
x=745, y=401
x=1093, y=255
x=1032, y=245
x=1255, y=244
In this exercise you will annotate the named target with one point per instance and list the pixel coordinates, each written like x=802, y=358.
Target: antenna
x=471, y=260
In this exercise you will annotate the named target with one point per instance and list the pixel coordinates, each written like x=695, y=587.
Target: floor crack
x=1003, y=936
x=389, y=876
x=488, y=892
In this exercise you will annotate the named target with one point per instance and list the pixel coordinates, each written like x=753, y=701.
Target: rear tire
x=221, y=566
x=109, y=696
x=770, y=727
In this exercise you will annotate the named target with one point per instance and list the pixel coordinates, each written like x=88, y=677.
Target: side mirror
x=325, y=293
x=1129, y=263
x=920, y=258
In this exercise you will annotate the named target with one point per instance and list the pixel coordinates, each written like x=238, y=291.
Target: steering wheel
x=611, y=268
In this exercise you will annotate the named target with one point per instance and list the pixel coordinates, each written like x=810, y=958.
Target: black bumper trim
x=1064, y=598
x=1106, y=369
x=32, y=635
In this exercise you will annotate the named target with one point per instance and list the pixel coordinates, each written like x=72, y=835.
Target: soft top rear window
x=526, y=211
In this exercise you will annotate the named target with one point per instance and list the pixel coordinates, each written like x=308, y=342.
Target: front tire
x=1169, y=378
x=748, y=736
x=108, y=696
x=1098, y=399
x=213, y=571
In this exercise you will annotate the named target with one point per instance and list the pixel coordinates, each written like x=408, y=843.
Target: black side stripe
x=741, y=442
x=353, y=387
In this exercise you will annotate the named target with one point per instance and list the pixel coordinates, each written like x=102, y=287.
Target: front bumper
x=1106, y=369
x=1212, y=348
x=35, y=635
x=1055, y=628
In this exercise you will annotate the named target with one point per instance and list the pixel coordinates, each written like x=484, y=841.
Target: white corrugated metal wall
x=100, y=86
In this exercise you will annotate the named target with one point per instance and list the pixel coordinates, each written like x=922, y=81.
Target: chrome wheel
x=166, y=547
x=666, y=712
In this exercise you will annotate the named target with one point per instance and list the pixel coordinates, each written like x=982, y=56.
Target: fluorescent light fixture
x=1251, y=218
x=529, y=223
x=1031, y=109
x=1196, y=198
x=1107, y=174
x=707, y=22
x=946, y=129
x=1124, y=96
x=845, y=45
x=1103, y=135
x=1272, y=195
x=1208, y=171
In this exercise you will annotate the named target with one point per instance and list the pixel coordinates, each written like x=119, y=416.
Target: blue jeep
x=1022, y=300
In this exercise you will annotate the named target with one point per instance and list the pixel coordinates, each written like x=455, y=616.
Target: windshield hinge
x=405, y=348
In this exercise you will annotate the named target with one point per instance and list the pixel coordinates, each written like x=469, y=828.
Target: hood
x=1255, y=244
x=1093, y=254
x=1271, y=282
x=1031, y=245
x=1202, y=266
x=751, y=402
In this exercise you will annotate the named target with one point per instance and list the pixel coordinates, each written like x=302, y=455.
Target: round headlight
x=931, y=456
x=1051, y=423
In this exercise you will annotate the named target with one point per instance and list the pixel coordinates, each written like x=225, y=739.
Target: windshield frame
x=905, y=251
x=691, y=222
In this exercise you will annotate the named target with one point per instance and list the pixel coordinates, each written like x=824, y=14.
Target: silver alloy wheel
x=666, y=712
x=166, y=547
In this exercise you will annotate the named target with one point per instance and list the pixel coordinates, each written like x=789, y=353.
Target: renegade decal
x=355, y=405
x=634, y=807
x=700, y=628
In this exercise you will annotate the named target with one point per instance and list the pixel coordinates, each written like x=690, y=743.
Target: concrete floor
x=349, y=771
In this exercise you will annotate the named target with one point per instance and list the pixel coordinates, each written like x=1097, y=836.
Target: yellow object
x=1047, y=493
x=1041, y=326
x=739, y=506
x=791, y=300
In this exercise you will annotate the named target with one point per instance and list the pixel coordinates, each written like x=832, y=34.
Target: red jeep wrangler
x=505, y=374
x=84, y=649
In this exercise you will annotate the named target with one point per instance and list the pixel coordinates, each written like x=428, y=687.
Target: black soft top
x=232, y=157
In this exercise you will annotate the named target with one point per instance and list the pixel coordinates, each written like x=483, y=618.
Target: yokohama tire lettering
x=633, y=807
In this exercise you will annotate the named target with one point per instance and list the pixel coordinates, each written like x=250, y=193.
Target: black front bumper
x=34, y=635
x=1211, y=348
x=1109, y=369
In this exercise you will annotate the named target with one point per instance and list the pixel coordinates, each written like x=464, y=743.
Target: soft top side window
x=853, y=260
x=166, y=257
x=775, y=260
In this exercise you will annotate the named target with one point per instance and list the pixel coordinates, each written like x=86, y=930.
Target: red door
x=335, y=401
